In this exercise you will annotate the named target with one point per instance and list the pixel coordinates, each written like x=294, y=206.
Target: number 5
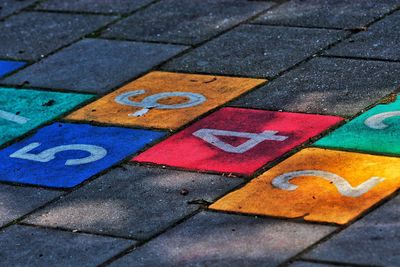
x=96, y=153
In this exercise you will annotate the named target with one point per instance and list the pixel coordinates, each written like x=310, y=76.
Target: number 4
x=210, y=136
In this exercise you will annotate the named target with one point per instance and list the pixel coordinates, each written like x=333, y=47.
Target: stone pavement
x=199, y=133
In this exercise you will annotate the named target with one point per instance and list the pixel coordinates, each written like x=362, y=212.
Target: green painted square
x=375, y=131
x=23, y=110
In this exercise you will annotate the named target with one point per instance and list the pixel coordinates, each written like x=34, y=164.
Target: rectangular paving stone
x=212, y=239
x=185, y=22
x=345, y=14
x=328, y=186
x=372, y=241
x=133, y=201
x=164, y=100
x=63, y=155
x=327, y=86
x=32, y=246
x=8, y=66
x=32, y=35
x=7, y=7
x=380, y=41
x=23, y=110
x=16, y=201
x=96, y=6
x=375, y=131
x=234, y=140
x=255, y=50
x=95, y=65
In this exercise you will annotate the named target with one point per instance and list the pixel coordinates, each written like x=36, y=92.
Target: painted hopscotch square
x=23, y=110
x=164, y=100
x=375, y=131
x=236, y=140
x=7, y=66
x=63, y=155
x=318, y=185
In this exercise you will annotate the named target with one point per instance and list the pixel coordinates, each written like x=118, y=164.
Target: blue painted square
x=63, y=155
x=7, y=66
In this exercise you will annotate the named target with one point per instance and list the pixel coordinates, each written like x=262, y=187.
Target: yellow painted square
x=318, y=175
x=164, y=100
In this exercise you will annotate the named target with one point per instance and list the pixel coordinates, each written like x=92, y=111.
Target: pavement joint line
x=298, y=26
x=361, y=58
x=340, y=228
x=75, y=231
x=227, y=104
x=334, y=263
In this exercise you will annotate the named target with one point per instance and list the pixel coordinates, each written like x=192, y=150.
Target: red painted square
x=192, y=148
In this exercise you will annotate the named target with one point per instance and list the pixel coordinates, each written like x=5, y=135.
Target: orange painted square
x=315, y=198
x=214, y=90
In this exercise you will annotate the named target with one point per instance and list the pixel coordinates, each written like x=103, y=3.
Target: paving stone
x=379, y=41
x=7, y=7
x=164, y=100
x=372, y=241
x=324, y=13
x=234, y=140
x=16, y=201
x=255, y=50
x=63, y=155
x=133, y=201
x=23, y=110
x=312, y=264
x=186, y=22
x=96, y=6
x=31, y=246
x=317, y=185
x=95, y=65
x=30, y=35
x=212, y=239
x=7, y=66
x=375, y=131
x=327, y=86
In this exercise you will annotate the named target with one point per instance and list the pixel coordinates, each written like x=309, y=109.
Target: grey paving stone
x=255, y=50
x=32, y=246
x=313, y=264
x=374, y=240
x=16, y=201
x=216, y=239
x=96, y=6
x=186, y=22
x=327, y=86
x=94, y=65
x=133, y=201
x=327, y=13
x=29, y=35
x=7, y=7
x=380, y=41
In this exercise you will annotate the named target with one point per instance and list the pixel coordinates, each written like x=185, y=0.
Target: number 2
x=96, y=153
x=344, y=188
x=377, y=121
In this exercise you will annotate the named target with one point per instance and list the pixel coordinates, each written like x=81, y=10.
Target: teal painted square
x=23, y=110
x=382, y=136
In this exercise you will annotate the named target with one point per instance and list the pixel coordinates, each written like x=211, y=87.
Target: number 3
x=96, y=153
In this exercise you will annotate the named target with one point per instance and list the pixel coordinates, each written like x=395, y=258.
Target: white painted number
x=96, y=153
x=152, y=101
x=344, y=188
x=210, y=136
x=12, y=117
x=376, y=121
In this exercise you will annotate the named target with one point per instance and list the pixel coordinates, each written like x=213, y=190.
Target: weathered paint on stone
x=23, y=110
x=375, y=131
x=63, y=155
x=150, y=102
x=319, y=185
x=237, y=140
x=7, y=66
